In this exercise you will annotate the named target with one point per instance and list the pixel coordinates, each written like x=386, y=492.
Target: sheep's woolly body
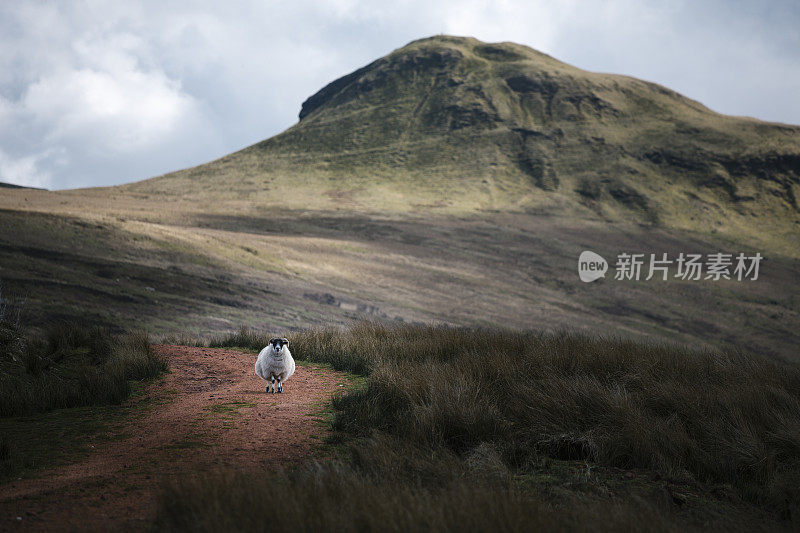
x=275, y=365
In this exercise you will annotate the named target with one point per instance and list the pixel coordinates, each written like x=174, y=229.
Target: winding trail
x=209, y=413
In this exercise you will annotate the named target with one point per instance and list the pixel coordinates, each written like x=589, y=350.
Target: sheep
x=275, y=362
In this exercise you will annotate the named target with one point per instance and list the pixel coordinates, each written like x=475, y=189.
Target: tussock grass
x=244, y=338
x=183, y=340
x=450, y=415
x=69, y=365
x=336, y=497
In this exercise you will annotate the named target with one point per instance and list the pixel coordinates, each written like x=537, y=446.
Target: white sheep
x=275, y=362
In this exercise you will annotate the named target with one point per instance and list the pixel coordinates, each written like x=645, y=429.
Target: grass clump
x=337, y=497
x=68, y=365
x=183, y=340
x=57, y=387
x=452, y=419
x=244, y=338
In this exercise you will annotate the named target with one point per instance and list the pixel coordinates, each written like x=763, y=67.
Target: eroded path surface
x=210, y=412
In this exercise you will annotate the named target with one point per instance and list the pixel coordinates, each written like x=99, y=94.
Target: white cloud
x=25, y=170
x=101, y=92
x=121, y=109
x=534, y=23
x=5, y=112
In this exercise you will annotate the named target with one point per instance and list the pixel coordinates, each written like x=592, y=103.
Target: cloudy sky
x=101, y=93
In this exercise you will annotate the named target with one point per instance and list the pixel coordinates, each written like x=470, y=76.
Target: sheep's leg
x=280, y=385
x=272, y=378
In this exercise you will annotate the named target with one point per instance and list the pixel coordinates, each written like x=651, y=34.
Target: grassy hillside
x=450, y=124
x=206, y=273
x=451, y=181
x=494, y=429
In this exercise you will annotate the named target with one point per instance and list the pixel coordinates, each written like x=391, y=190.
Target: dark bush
x=68, y=365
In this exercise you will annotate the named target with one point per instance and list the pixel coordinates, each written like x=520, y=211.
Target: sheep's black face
x=278, y=344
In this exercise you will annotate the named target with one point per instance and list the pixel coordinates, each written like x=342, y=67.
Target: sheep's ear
x=285, y=341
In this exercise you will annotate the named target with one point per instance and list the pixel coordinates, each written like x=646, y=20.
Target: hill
x=454, y=124
x=451, y=181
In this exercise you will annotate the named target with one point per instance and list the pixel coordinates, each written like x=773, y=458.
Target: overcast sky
x=101, y=93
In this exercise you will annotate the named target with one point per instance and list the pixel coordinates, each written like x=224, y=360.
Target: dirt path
x=210, y=412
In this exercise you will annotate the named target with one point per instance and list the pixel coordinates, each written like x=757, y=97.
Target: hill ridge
x=468, y=126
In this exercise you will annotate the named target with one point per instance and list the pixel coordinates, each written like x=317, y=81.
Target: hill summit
x=456, y=124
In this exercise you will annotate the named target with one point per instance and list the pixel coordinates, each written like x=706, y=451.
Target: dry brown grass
x=450, y=416
x=337, y=498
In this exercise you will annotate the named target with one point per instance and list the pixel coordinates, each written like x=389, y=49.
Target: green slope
x=457, y=125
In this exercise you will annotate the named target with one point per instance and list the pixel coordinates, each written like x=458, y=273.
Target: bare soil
x=210, y=412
